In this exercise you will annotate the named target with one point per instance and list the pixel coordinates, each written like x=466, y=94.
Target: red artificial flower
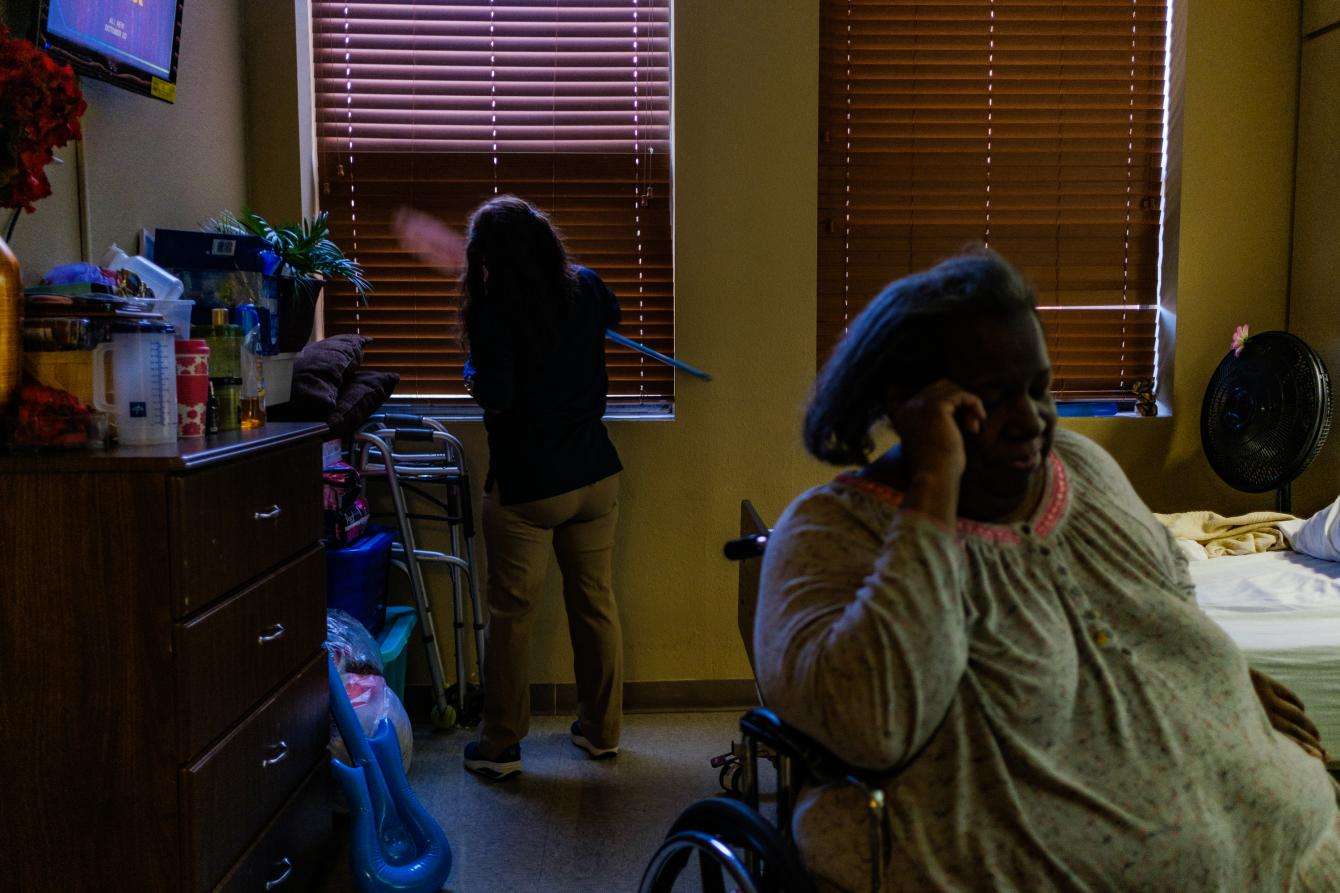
x=40, y=107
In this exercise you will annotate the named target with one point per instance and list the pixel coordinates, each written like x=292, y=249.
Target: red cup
x=192, y=386
x=193, y=357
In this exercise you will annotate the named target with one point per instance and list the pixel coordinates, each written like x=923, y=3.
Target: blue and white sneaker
x=597, y=753
x=507, y=763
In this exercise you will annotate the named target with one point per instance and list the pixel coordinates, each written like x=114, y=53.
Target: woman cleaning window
x=990, y=612
x=534, y=326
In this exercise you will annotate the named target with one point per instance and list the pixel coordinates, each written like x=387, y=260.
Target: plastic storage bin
x=177, y=314
x=278, y=373
x=356, y=577
x=394, y=641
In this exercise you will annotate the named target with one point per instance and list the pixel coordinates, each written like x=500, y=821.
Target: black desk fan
x=1266, y=414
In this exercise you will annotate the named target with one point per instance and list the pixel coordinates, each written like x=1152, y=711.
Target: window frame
x=659, y=405
x=1165, y=312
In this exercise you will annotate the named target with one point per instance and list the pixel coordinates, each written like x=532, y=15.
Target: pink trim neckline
x=1055, y=501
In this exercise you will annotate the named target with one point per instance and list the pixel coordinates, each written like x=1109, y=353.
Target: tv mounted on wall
x=130, y=43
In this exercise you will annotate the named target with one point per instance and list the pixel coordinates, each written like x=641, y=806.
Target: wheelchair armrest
x=819, y=762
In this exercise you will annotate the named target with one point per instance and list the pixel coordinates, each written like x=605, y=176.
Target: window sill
x=1105, y=409
x=466, y=411
x=1130, y=416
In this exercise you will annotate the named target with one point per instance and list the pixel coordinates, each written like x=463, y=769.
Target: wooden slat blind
x=1036, y=128
x=441, y=104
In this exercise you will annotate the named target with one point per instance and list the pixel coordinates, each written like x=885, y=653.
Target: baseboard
x=675, y=696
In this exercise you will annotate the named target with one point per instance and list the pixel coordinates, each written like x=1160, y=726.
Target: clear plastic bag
x=374, y=700
x=352, y=646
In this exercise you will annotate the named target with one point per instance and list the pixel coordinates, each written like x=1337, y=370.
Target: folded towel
x=1234, y=535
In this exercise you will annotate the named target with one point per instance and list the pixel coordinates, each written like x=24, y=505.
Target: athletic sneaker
x=507, y=763
x=597, y=753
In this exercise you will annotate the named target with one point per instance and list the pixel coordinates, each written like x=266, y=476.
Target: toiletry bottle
x=253, y=378
x=212, y=411
x=225, y=346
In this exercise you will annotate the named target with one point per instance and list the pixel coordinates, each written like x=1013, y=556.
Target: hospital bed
x=1283, y=610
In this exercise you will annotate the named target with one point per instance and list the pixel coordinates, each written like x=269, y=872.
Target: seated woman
x=991, y=612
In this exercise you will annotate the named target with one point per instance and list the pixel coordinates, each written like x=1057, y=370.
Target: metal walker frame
x=378, y=453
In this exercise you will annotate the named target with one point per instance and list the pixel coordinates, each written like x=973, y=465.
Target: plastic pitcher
x=144, y=382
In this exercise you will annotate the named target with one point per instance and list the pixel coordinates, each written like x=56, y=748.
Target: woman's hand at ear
x=931, y=426
x=1285, y=710
x=436, y=244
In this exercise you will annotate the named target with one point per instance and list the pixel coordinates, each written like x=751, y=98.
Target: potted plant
x=306, y=259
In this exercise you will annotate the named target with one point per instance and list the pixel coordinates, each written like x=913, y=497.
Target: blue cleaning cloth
x=73, y=274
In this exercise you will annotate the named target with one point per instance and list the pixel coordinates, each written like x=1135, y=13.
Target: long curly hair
x=899, y=339
x=515, y=259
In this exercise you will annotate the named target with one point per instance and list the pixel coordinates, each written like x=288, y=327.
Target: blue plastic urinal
x=396, y=846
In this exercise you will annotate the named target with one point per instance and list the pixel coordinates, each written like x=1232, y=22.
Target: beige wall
x=1237, y=171
x=1314, y=310
x=1318, y=14
x=746, y=124
x=745, y=178
x=147, y=163
x=745, y=202
x=281, y=174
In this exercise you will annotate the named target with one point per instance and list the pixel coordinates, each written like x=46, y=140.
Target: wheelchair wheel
x=731, y=841
x=716, y=862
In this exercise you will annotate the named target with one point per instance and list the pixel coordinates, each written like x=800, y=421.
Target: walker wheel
x=443, y=717
x=731, y=779
x=474, y=704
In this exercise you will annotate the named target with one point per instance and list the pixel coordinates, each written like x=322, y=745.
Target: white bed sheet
x=1283, y=610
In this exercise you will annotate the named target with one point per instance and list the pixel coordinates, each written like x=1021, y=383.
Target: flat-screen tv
x=130, y=43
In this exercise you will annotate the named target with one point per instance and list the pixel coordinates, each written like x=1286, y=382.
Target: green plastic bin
x=400, y=623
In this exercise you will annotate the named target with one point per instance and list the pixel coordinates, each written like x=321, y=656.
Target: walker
x=438, y=474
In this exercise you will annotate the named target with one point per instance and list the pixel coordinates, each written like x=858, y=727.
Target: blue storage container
x=356, y=577
x=400, y=623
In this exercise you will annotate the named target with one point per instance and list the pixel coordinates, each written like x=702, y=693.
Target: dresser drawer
x=294, y=847
x=234, y=652
x=230, y=793
x=230, y=523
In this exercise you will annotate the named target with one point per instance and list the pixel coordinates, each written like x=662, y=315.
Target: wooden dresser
x=163, y=714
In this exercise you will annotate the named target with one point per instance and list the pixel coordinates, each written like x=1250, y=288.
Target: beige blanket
x=1235, y=535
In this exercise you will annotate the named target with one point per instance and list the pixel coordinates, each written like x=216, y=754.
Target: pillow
x=321, y=372
x=1318, y=536
x=366, y=391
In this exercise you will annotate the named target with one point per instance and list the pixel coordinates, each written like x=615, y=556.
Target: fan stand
x=1284, y=499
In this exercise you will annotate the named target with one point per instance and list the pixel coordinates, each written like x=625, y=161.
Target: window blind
x=1035, y=128
x=441, y=104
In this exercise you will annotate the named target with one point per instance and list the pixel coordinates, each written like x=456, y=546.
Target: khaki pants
x=580, y=527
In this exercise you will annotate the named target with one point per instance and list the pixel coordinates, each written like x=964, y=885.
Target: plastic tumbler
x=192, y=386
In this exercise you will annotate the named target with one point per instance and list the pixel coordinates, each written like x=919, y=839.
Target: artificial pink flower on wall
x=1240, y=335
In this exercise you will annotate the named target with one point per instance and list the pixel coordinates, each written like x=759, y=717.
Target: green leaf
x=305, y=248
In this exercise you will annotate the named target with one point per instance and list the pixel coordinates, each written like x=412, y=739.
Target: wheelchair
x=731, y=839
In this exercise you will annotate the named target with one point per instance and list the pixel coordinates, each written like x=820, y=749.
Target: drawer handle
x=280, y=754
x=275, y=632
x=268, y=515
x=287, y=865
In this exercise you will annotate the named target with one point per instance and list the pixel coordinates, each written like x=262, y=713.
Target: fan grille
x=1267, y=413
